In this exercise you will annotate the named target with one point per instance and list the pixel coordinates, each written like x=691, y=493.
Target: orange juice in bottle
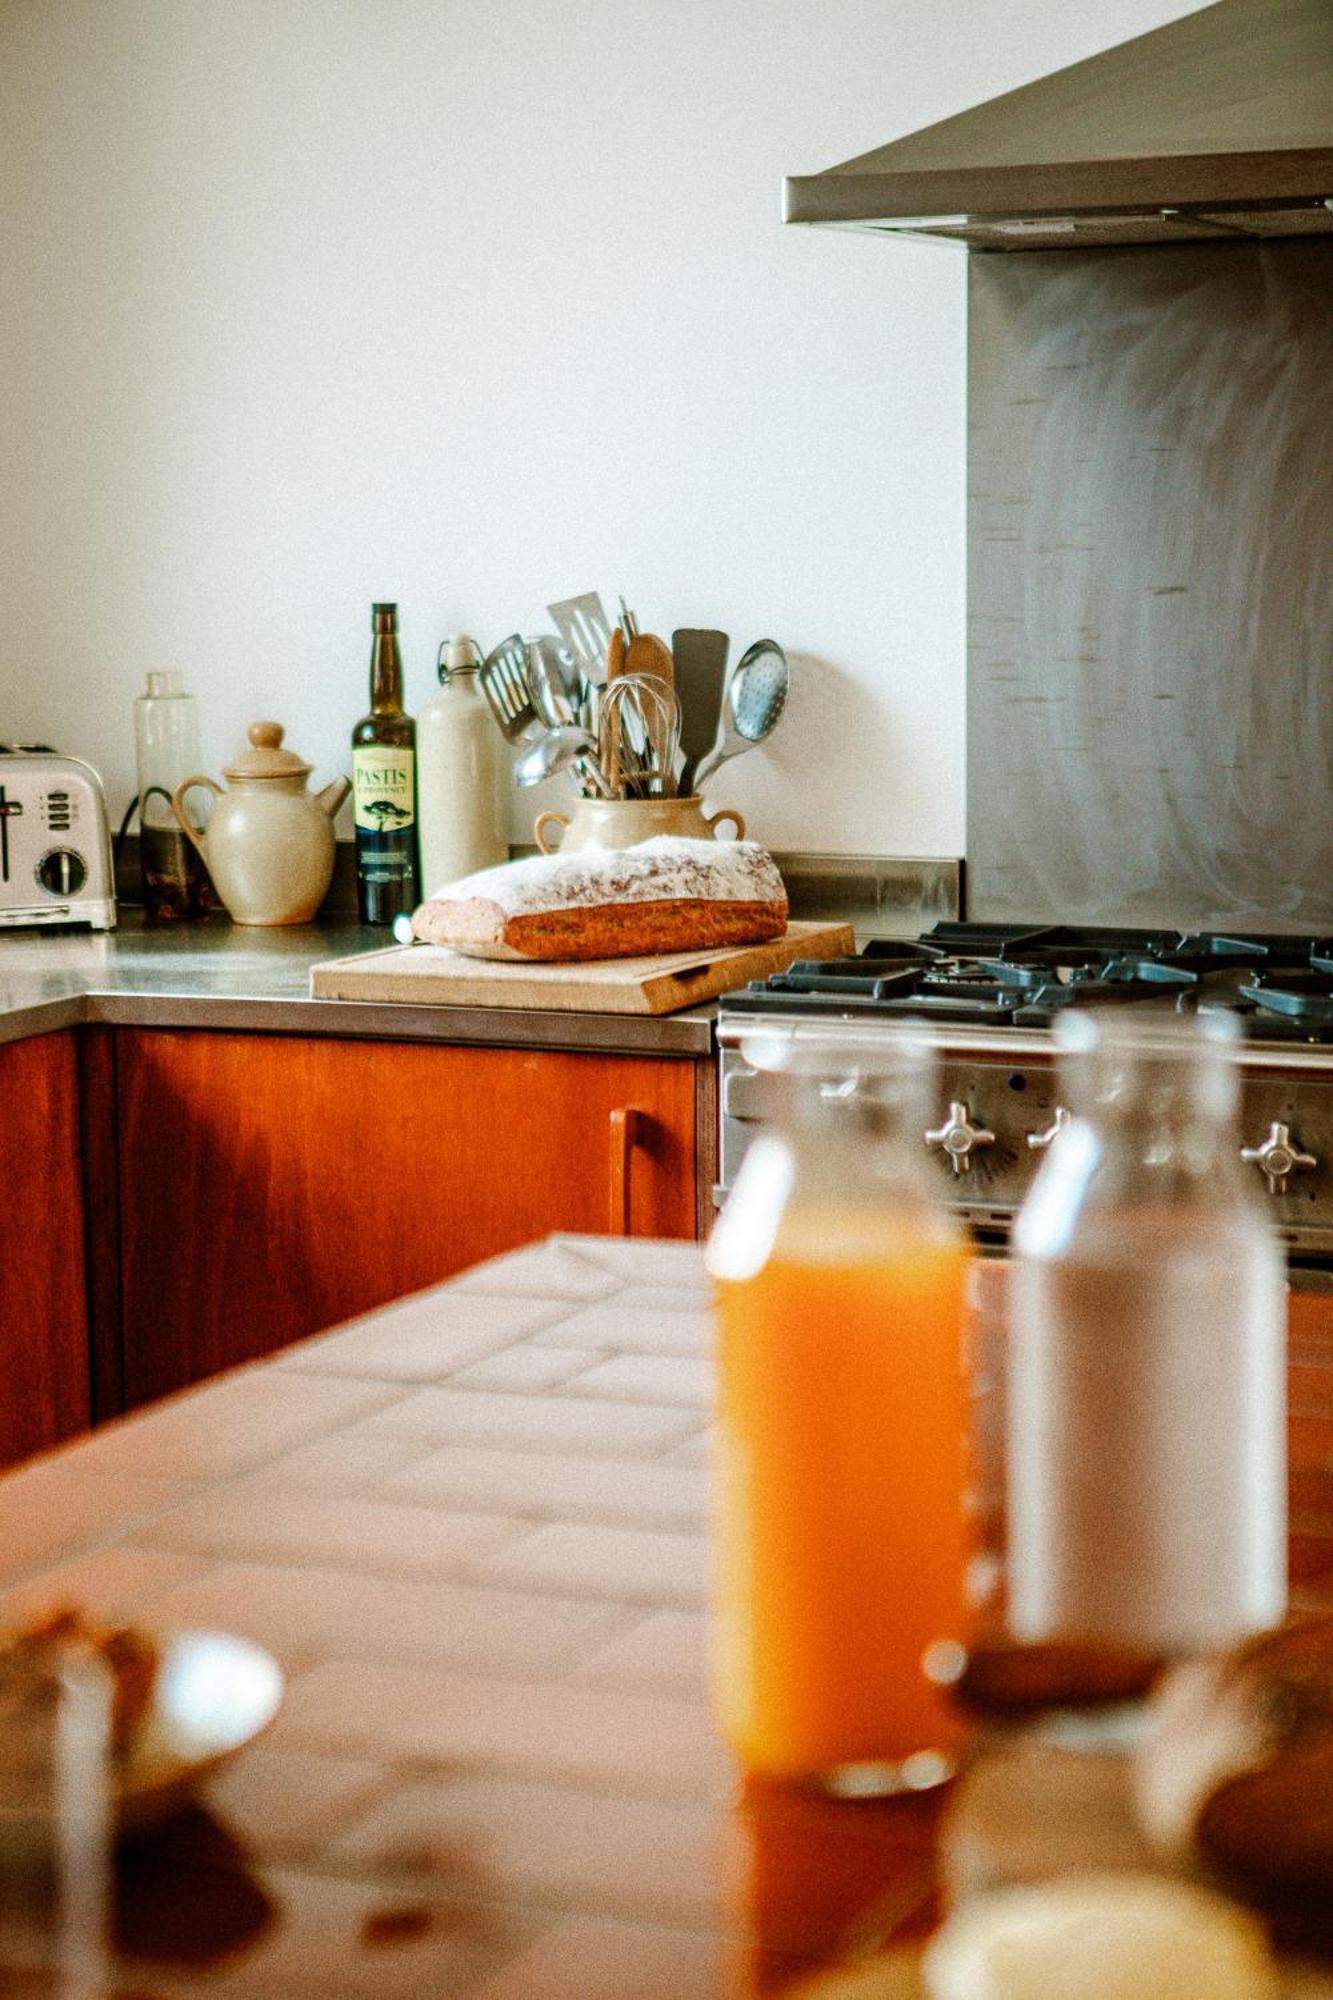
x=839, y=1518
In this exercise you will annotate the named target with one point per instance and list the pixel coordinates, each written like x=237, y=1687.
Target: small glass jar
x=1147, y=1367
x=166, y=744
x=840, y=1525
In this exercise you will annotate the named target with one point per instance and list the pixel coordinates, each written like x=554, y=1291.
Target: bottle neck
x=386, y=674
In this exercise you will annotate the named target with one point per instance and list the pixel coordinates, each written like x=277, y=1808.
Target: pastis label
x=382, y=788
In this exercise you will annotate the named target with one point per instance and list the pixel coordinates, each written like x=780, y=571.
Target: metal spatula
x=585, y=628
x=504, y=682
x=701, y=664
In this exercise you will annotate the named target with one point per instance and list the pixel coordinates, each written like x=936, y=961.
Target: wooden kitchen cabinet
x=44, y=1394
x=273, y=1185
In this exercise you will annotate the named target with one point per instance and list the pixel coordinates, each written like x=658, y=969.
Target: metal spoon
x=557, y=751
x=754, y=698
x=558, y=687
x=555, y=680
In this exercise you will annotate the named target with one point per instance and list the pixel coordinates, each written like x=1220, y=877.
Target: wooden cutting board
x=426, y=975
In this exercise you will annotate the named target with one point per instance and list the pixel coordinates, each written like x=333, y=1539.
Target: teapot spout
x=333, y=794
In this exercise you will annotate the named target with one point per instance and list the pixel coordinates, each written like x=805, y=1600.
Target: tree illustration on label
x=386, y=813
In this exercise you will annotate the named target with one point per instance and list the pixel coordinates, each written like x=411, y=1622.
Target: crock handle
x=727, y=812
x=539, y=830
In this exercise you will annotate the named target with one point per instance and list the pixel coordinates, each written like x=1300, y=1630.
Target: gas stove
x=989, y=996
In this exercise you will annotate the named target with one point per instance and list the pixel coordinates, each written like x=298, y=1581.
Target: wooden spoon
x=647, y=654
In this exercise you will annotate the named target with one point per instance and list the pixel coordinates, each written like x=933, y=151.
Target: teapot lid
x=267, y=759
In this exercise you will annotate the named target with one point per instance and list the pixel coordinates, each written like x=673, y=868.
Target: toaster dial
x=62, y=872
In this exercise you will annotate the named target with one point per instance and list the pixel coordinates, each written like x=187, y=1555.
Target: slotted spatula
x=585, y=628
x=504, y=682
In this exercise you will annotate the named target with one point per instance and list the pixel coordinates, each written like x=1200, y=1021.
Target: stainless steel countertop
x=217, y=974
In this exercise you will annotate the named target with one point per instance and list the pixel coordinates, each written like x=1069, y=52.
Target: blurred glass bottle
x=1147, y=1367
x=166, y=747
x=840, y=1529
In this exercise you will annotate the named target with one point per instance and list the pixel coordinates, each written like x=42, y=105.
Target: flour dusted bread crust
x=666, y=894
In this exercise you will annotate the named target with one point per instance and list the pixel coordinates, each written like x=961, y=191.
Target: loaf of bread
x=1236, y=1771
x=665, y=895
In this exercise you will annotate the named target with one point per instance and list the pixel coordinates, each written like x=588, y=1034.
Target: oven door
x=1310, y=1432
x=1002, y=1103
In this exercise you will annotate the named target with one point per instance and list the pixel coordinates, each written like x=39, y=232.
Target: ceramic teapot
x=269, y=842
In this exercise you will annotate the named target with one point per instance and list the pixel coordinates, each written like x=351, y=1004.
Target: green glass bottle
x=384, y=784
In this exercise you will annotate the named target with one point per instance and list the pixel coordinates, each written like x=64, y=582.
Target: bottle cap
x=459, y=656
x=171, y=684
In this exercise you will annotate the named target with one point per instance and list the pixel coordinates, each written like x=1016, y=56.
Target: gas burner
x=1024, y=975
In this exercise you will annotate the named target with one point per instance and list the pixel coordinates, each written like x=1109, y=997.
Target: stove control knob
x=960, y=1138
x=1278, y=1156
x=1039, y=1141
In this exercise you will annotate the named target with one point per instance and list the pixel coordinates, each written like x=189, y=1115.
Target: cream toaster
x=55, y=844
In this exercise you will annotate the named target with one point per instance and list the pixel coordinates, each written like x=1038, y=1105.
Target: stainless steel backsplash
x=1150, y=578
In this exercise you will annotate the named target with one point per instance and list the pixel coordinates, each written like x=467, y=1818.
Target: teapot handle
x=178, y=805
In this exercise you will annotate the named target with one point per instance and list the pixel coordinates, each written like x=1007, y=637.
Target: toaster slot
x=9, y=809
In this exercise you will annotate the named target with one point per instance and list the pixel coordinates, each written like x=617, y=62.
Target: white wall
x=478, y=303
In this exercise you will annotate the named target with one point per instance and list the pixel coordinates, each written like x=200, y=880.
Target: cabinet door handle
x=627, y=1128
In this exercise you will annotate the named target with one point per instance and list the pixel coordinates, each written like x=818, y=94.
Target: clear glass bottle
x=166, y=749
x=462, y=775
x=1147, y=1369
x=840, y=1511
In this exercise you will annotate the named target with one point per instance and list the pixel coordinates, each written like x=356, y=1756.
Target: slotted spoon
x=752, y=702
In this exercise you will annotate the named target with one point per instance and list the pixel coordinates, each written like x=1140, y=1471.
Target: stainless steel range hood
x=1218, y=126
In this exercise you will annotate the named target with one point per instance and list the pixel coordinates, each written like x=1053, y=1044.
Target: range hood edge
x=1088, y=154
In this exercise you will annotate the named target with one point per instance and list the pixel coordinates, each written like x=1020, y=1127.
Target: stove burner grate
x=1303, y=996
x=1025, y=974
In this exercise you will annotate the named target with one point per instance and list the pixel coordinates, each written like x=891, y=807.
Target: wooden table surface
x=472, y=1528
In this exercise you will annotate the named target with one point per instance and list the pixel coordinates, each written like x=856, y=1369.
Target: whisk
x=639, y=736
